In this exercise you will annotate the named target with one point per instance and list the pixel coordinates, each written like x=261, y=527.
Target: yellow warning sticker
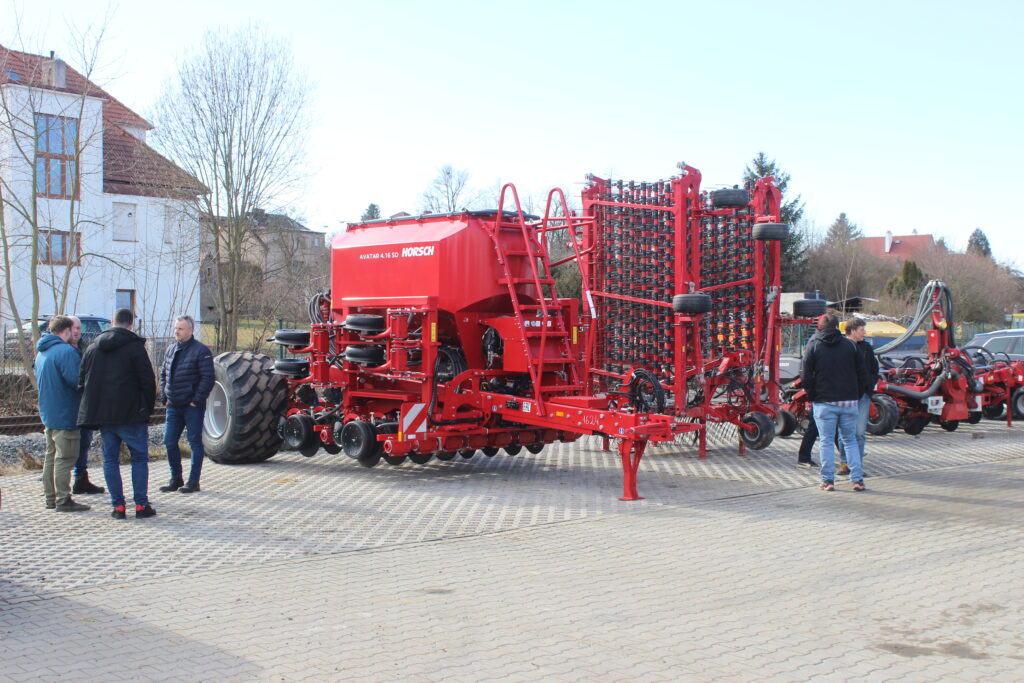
x=433, y=332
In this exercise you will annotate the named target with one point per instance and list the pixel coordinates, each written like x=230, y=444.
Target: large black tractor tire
x=809, y=308
x=770, y=232
x=730, y=198
x=692, y=304
x=243, y=409
x=886, y=417
x=762, y=434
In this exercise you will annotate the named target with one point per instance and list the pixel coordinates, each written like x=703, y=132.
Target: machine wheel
x=886, y=415
x=761, y=435
x=292, y=367
x=371, y=356
x=298, y=432
x=535, y=448
x=445, y=455
x=771, y=232
x=785, y=423
x=730, y=198
x=370, y=460
x=331, y=448
x=914, y=425
x=247, y=400
x=359, y=440
x=809, y=308
x=467, y=453
x=421, y=458
x=994, y=412
x=513, y=449
x=291, y=337
x=697, y=302
x=490, y=451
x=949, y=425
x=365, y=323
x=973, y=418
x=1017, y=403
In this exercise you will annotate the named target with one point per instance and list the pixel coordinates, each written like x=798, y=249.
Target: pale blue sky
x=905, y=115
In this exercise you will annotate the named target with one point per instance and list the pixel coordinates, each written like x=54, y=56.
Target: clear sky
x=904, y=115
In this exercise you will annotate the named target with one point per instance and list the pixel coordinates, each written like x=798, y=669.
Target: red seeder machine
x=444, y=335
x=950, y=386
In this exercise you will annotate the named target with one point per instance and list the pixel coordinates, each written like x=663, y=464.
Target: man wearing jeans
x=833, y=375
x=186, y=378
x=855, y=331
x=119, y=391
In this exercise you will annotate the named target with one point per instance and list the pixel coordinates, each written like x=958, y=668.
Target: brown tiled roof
x=130, y=166
x=903, y=246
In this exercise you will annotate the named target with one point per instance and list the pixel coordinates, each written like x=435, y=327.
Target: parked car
x=92, y=325
x=1001, y=343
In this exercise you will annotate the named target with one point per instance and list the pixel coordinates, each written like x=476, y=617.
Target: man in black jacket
x=186, y=378
x=833, y=375
x=119, y=391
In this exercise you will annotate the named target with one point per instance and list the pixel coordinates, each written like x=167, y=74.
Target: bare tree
x=447, y=192
x=44, y=107
x=235, y=117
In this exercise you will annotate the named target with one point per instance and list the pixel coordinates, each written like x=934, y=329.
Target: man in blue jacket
x=186, y=378
x=57, y=367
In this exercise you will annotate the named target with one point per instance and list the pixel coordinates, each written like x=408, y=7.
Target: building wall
x=159, y=263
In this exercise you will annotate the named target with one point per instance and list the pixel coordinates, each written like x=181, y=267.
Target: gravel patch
x=35, y=444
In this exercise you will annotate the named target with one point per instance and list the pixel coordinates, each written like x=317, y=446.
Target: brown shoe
x=71, y=506
x=843, y=468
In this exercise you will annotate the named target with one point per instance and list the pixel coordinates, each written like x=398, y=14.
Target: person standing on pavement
x=57, y=366
x=118, y=394
x=186, y=378
x=833, y=375
x=81, y=471
x=856, y=330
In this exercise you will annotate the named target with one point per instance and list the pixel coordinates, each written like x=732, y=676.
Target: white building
x=107, y=215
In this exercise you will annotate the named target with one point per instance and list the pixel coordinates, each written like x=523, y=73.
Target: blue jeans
x=831, y=419
x=863, y=406
x=177, y=420
x=82, y=464
x=136, y=437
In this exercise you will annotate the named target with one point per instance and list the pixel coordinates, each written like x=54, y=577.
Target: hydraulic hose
x=924, y=309
x=917, y=395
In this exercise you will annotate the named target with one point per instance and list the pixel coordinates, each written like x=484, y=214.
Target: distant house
x=105, y=215
x=283, y=255
x=900, y=247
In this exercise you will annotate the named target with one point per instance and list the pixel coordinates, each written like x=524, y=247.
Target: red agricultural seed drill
x=443, y=335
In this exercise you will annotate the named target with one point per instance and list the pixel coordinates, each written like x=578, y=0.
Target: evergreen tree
x=794, y=247
x=372, y=213
x=978, y=244
x=909, y=282
x=842, y=232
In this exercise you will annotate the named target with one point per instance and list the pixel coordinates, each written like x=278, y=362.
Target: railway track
x=14, y=425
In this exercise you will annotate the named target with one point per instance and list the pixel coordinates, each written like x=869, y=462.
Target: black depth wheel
x=489, y=451
x=1017, y=403
x=359, y=440
x=885, y=415
x=445, y=455
x=467, y=453
x=421, y=458
x=762, y=434
x=535, y=448
x=513, y=449
x=949, y=425
x=915, y=425
x=785, y=423
x=994, y=411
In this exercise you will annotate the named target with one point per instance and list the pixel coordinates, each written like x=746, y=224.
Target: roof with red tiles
x=899, y=246
x=130, y=166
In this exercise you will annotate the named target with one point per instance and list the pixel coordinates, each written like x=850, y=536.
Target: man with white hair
x=186, y=378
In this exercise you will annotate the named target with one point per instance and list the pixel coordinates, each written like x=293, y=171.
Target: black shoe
x=119, y=513
x=190, y=487
x=83, y=485
x=71, y=506
x=173, y=485
x=806, y=464
x=50, y=506
x=143, y=512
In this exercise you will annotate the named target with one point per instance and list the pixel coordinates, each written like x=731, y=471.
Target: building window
x=124, y=222
x=125, y=298
x=56, y=146
x=59, y=248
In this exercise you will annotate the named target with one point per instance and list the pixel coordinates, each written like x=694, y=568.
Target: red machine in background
x=444, y=334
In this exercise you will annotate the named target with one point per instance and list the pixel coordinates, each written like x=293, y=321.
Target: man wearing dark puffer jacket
x=834, y=375
x=186, y=378
x=119, y=391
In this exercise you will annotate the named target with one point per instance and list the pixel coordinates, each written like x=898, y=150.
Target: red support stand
x=631, y=452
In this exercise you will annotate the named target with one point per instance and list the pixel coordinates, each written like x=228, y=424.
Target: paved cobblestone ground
x=527, y=568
